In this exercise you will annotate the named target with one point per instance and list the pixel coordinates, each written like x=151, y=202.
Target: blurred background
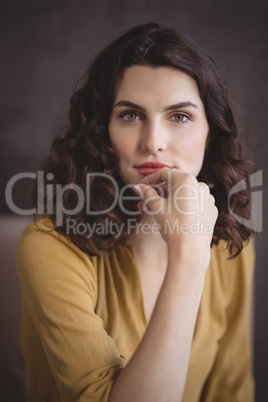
x=45, y=47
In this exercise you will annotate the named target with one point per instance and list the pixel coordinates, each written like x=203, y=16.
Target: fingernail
x=138, y=189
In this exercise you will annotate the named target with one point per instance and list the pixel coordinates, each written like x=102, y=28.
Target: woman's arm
x=68, y=351
x=157, y=370
x=231, y=378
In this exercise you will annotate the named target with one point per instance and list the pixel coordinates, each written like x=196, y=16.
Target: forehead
x=165, y=84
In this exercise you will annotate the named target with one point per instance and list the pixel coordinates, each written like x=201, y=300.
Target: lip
x=150, y=167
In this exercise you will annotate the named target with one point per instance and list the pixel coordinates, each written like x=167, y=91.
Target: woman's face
x=157, y=117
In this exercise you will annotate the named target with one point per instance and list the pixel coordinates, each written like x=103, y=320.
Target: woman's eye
x=180, y=118
x=130, y=116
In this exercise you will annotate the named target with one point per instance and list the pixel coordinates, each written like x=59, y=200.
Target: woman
x=136, y=282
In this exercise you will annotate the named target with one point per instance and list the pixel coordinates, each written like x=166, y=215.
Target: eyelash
x=182, y=115
x=128, y=112
x=133, y=112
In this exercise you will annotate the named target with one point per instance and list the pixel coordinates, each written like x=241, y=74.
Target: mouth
x=150, y=167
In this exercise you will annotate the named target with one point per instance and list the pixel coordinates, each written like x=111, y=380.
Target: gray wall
x=47, y=45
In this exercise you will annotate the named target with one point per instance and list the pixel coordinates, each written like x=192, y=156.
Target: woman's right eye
x=129, y=116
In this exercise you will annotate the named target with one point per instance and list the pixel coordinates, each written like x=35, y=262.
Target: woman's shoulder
x=231, y=273
x=42, y=248
x=221, y=255
x=41, y=234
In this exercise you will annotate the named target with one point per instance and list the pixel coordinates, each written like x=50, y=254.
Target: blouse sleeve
x=59, y=288
x=231, y=378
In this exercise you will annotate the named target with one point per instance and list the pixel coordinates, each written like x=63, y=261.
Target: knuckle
x=204, y=187
x=148, y=192
x=212, y=198
x=203, y=184
x=154, y=204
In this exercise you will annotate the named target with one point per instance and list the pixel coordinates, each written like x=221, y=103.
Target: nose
x=153, y=138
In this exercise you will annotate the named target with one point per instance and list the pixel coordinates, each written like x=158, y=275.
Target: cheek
x=120, y=148
x=198, y=154
x=124, y=146
x=191, y=146
x=117, y=137
x=190, y=152
x=115, y=147
x=114, y=138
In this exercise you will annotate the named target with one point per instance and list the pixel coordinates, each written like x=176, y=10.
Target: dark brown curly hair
x=84, y=147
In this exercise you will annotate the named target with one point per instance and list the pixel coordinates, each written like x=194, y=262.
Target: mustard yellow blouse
x=83, y=318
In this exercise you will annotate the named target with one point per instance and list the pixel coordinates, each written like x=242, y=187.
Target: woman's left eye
x=183, y=118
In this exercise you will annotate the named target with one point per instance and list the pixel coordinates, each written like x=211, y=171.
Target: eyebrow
x=166, y=109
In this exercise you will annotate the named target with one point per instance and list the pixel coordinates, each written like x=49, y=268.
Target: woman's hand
x=184, y=210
